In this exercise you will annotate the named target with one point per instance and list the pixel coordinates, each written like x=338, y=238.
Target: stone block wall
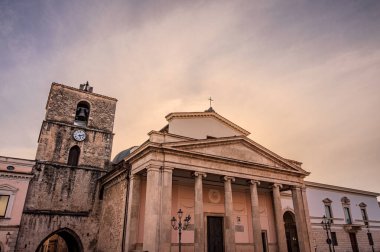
x=60, y=197
x=35, y=228
x=113, y=215
x=62, y=104
x=60, y=188
x=56, y=140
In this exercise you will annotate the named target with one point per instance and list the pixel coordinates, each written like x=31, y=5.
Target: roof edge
x=207, y=114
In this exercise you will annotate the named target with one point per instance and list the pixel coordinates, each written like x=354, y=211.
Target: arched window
x=73, y=156
x=82, y=113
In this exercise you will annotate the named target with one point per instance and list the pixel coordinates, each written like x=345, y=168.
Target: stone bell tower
x=77, y=129
x=74, y=150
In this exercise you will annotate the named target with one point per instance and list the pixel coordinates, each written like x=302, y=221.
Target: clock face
x=79, y=135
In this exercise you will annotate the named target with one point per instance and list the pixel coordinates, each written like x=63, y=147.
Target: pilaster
x=133, y=212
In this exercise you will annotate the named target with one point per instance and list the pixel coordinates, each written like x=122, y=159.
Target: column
x=302, y=230
x=279, y=219
x=133, y=212
x=152, y=210
x=258, y=243
x=229, y=236
x=166, y=210
x=199, y=232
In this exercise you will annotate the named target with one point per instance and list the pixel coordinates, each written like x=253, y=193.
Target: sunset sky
x=301, y=76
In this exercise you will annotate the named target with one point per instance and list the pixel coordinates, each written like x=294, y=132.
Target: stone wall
x=60, y=197
x=62, y=104
x=112, y=215
x=35, y=228
x=56, y=140
x=60, y=188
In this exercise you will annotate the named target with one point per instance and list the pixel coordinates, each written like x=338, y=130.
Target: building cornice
x=215, y=115
x=339, y=188
x=15, y=175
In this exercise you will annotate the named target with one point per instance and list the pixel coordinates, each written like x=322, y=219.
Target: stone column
x=133, y=212
x=279, y=219
x=166, y=210
x=152, y=210
x=199, y=232
x=302, y=230
x=256, y=225
x=229, y=226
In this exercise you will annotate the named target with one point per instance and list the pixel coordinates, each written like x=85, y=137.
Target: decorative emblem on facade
x=214, y=196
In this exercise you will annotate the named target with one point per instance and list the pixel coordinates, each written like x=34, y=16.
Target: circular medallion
x=214, y=196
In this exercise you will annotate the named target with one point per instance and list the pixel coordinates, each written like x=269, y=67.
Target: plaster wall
x=315, y=197
x=15, y=183
x=200, y=128
x=213, y=205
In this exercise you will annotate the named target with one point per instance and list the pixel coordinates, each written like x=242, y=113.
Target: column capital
x=276, y=185
x=300, y=187
x=200, y=174
x=134, y=176
x=253, y=182
x=228, y=178
x=167, y=169
x=151, y=168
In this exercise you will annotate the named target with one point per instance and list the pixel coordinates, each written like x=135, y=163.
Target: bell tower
x=77, y=130
x=74, y=151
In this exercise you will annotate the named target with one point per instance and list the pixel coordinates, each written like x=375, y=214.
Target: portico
x=229, y=184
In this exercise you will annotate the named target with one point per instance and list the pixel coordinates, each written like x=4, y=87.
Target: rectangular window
x=347, y=215
x=329, y=213
x=265, y=240
x=333, y=239
x=3, y=204
x=364, y=215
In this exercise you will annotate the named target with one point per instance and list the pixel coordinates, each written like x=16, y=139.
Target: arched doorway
x=62, y=240
x=291, y=232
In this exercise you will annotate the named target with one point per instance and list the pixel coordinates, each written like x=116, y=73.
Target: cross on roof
x=211, y=100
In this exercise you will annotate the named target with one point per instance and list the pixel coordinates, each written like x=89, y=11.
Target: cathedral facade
x=229, y=192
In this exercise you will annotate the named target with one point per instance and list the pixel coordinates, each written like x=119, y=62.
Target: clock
x=79, y=135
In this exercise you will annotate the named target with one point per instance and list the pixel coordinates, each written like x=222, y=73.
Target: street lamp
x=180, y=226
x=369, y=235
x=326, y=224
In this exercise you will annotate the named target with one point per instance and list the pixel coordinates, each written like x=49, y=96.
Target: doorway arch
x=62, y=240
x=291, y=232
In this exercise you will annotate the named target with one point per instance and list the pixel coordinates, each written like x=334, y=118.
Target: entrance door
x=291, y=232
x=215, y=234
x=354, y=242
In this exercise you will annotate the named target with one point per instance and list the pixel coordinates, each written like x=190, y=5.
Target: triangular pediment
x=200, y=125
x=240, y=150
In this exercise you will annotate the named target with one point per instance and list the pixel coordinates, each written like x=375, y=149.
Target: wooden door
x=215, y=241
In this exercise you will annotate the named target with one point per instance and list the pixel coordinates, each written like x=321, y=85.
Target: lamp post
x=180, y=226
x=326, y=224
x=369, y=235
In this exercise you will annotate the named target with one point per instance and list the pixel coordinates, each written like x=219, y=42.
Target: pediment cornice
x=290, y=164
x=214, y=115
x=154, y=149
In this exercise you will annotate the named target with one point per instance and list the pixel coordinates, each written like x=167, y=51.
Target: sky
x=301, y=76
